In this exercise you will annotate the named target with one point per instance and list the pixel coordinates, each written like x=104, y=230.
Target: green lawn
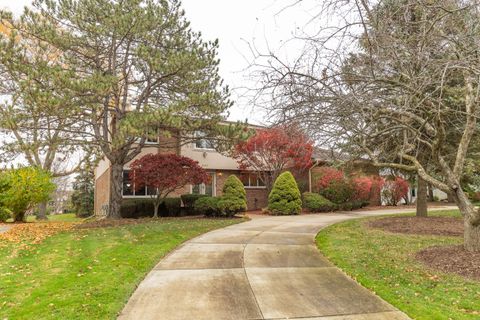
x=88, y=274
x=385, y=263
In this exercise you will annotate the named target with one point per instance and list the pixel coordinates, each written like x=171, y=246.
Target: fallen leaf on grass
x=33, y=233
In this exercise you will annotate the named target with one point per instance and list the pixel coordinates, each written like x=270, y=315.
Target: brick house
x=217, y=165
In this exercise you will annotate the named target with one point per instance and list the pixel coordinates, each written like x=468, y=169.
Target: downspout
x=310, y=175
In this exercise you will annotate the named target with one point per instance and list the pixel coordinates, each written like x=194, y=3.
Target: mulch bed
x=452, y=259
x=442, y=226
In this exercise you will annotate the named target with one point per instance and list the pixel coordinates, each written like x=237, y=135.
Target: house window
x=205, y=188
x=128, y=189
x=152, y=136
x=252, y=180
x=202, y=142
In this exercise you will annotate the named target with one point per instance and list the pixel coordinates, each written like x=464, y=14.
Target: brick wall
x=101, y=192
x=256, y=198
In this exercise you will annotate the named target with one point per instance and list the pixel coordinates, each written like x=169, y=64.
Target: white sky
x=236, y=23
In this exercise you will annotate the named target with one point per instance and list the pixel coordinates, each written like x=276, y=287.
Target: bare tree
x=391, y=80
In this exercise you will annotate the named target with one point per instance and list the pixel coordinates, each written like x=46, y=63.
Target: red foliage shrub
x=394, y=190
x=362, y=188
x=329, y=175
x=376, y=190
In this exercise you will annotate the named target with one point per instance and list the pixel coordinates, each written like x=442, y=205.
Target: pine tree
x=131, y=67
x=83, y=193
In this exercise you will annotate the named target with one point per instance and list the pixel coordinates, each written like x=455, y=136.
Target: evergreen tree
x=132, y=68
x=83, y=193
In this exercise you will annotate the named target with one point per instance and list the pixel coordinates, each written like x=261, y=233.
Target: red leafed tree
x=271, y=151
x=327, y=176
x=394, y=190
x=165, y=173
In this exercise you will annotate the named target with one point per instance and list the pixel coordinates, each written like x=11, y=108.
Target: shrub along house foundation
x=216, y=164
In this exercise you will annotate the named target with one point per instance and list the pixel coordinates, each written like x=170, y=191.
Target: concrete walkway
x=266, y=268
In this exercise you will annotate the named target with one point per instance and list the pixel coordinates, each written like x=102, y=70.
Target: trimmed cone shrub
x=234, y=187
x=234, y=199
x=317, y=203
x=207, y=206
x=285, y=197
x=230, y=206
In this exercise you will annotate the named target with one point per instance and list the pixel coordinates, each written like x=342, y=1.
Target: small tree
x=234, y=198
x=271, y=151
x=28, y=187
x=394, y=190
x=285, y=197
x=83, y=193
x=162, y=174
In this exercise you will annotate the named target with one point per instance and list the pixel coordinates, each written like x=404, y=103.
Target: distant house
x=217, y=165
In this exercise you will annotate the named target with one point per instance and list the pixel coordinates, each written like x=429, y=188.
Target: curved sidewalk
x=266, y=268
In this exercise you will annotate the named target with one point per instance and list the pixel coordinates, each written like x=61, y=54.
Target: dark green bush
x=285, y=197
x=338, y=192
x=346, y=206
x=357, y=205
x=207, y=206
x=189, y=199
x=173, y=206
x=317, y=203
x=136, y=208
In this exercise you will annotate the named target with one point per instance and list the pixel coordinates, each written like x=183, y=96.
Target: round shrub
x=207, y=206
x=338, y=192
x=285, y=198
x=317, y=203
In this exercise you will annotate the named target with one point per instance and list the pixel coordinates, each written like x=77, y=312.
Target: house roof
x=328, y=155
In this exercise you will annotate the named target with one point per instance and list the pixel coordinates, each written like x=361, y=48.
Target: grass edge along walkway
x=385, y=263
x=89, y=273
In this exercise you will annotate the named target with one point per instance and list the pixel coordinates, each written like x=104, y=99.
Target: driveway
x=266, y=268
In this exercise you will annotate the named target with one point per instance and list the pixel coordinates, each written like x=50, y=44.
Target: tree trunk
x=471, y=237
x=19, y=217
x=451, y=197
x=430, y=193
x=471, y=218
x=42, y=211
x=115, y=200
x=155, y=212
x=421, y=203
